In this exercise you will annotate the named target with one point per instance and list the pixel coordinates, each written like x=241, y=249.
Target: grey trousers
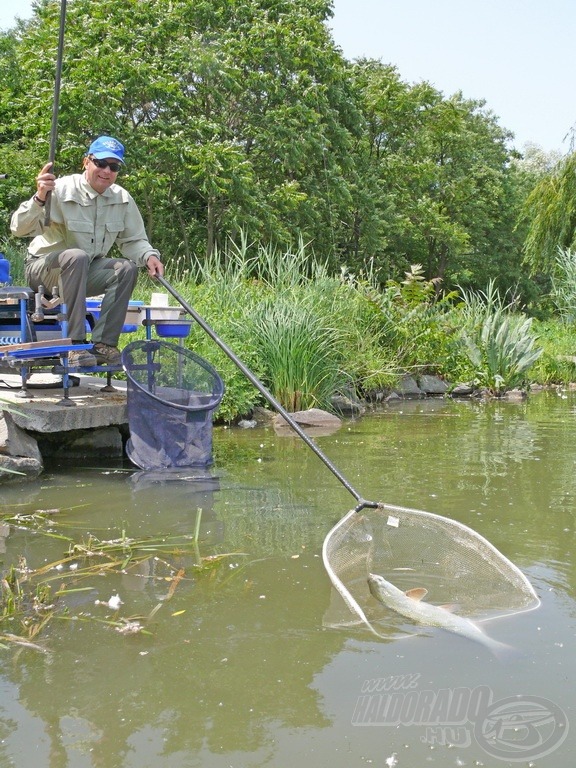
x=77, y=277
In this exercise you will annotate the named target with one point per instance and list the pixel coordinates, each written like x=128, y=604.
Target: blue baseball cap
x=106, y=146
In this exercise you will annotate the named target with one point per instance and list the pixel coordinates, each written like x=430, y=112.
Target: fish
x=412, y=606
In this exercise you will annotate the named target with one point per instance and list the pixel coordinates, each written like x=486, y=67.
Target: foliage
x=223, y=311
x=550, y=210
x=303, y=332
x=416, y=324
x=308, y=334
x=563, y=290
x=289, y=189
x=557, y=365
x=440, y=175
x=244, y=120
x=300, y=351
x=499, y=343
x=15, y=255
x=227, y=111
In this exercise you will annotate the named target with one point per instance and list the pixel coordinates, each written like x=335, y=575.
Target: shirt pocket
x=111, y=231
x=81, y=234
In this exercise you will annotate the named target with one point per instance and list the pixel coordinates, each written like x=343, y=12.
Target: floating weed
x=30, y=600
x=20, y=641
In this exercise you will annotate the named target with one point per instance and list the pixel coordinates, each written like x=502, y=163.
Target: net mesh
x=411, y=549
x=171, y=394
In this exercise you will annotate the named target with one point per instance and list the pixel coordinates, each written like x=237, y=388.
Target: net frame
x=404, y=546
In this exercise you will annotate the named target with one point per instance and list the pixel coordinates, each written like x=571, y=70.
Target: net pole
x=361, y=502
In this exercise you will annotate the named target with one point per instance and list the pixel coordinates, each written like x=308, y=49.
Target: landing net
x=411, y=548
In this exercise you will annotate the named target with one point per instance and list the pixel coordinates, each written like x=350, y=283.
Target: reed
x=300, y=351
x=563, y=291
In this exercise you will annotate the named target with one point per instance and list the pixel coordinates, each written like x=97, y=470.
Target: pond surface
x=234, y=667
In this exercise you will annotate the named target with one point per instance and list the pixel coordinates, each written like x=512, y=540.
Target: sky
x=516, y=55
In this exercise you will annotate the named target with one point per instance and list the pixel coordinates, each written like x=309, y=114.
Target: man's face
x=100, y=178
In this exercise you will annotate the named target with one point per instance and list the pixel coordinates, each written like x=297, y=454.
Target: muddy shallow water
x=235, y=667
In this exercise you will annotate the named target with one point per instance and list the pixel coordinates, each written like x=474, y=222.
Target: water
x=235, y=668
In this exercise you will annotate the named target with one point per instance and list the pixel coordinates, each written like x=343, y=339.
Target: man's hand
x=154, y=266
x=45, y=182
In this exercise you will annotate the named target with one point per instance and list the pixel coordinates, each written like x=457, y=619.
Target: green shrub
x=557, y=363
x=16, y=254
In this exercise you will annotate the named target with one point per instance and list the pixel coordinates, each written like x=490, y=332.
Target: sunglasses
x=114, y=167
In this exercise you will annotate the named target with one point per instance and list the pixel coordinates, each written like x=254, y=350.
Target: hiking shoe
x=81, y=358
x=107, y=355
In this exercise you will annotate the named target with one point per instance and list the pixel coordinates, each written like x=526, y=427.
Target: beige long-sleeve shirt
x=82, y=218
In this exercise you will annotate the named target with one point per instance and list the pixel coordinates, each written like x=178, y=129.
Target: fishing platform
x=44, y=401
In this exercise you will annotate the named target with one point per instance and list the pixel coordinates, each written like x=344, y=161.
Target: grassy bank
x=308, y=333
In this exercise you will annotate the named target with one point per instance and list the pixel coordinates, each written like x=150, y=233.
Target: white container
x=166, y=313
x=159, y=300
x=134, y=316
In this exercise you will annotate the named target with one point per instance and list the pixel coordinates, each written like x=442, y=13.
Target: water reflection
x=237, y=668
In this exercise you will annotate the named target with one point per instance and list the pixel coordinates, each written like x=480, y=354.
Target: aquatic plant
x=499, y=342
x=31, y=598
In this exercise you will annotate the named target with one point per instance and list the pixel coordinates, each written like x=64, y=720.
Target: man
x=89, y=213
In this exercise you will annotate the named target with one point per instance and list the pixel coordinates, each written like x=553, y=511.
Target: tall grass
x=300, y=351
x=563, y=291
x=305, y=332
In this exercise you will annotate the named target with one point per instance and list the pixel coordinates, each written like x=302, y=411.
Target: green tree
x=550, y=213
x=441, y=169
x=236, y=115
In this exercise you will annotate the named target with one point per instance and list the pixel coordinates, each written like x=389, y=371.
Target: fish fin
x=418, y=593
x=450, y=607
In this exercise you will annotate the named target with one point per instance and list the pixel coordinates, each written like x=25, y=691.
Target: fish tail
x=504, y=652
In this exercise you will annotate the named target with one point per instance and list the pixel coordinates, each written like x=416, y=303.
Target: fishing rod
x=361, y=502
x=55, y=106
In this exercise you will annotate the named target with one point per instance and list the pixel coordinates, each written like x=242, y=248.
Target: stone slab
x=45, y=412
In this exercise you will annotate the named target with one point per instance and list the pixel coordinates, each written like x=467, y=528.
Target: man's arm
x=28, y=220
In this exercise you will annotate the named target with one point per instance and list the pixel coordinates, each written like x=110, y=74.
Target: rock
x=408, y=387
x=515, y=395
x=19, y=452
x=263, y=415
x=462, y=390
x=15, y=442
x=432, y=385
x=347, y=406
x=313, y=417
x=24, y=467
